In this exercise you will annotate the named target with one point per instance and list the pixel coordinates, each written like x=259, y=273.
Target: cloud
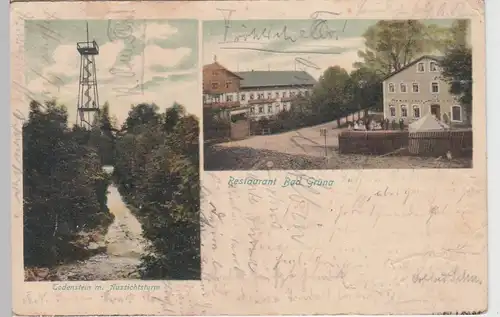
x=120, y=84
x=155, y=31
x=159, y=59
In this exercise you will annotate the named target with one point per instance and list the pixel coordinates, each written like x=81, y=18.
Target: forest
x=156, y=170
x=389, y=46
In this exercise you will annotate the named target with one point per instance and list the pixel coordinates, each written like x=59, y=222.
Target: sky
x=335, y=42
x=139, y=61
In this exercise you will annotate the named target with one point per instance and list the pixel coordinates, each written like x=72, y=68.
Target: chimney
x=215, y=58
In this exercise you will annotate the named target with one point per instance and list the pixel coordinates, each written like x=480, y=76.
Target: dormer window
x=433, y=66
x=420, y=67
x=391, y=87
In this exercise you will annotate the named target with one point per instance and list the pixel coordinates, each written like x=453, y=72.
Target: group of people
x=360, y=125
x=371, y=125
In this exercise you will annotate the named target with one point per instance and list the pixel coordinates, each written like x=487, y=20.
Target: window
x=284, y=94
x=456, y=113
x=300, y=93
x=277, y=94
x=228, y=84
x=433, y=67
x=416, y=111
x=261, y=109
x=306, y=93
x=435, y=87
x=229, y=98
x=404, y=111
x=402, y=87
x=420, y=67
x=269, y=95
x=415, y=87
x=261, y=96
x=392, y=110
x=215, y=85
x=270, y=109
x=242, y=97
x=251, y=97
x=252, y=110
x=215, y=73
x=277, y=108
x=292, y=93
x=391, y=87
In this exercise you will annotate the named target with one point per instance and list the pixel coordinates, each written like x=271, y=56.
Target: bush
x=65, y=187
x=158, y=173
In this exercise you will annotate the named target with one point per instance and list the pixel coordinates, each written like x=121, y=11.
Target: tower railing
x=88, y=96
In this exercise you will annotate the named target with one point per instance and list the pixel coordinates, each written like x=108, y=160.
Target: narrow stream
x=124, y=246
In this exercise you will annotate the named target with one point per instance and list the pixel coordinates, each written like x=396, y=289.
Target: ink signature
x=318, y=29
x=122, y=69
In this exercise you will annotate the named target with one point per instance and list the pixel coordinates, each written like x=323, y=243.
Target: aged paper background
x=356, y=248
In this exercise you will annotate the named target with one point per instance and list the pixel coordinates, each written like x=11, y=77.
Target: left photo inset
x=110, y=160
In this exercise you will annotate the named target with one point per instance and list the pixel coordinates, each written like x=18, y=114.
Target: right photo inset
x=337, y=94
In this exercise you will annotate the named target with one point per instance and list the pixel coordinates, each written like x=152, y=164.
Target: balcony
x=221, y=104
x=261, y=101
x=88, y=48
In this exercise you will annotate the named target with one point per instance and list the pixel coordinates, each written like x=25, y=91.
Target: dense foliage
x=64, y=186
x=157, y=172
x=457, y=65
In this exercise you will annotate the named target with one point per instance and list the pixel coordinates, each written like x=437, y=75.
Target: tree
x=367, y=89
x=157, y=171
x=172, y=116
x=457, y=66
x=102, y=137
x=333, y=94
x=64, y=187
x=142, y=114
x=391, y=45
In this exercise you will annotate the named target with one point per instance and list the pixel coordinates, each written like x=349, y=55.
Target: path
x=305, y=141
x=124, y=248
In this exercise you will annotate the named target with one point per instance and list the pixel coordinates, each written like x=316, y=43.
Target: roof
x=221, y=67
x=428, y=123
x=433, y=57
x=275, y=79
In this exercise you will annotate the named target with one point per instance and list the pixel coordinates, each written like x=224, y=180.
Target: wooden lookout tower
x=88, y=96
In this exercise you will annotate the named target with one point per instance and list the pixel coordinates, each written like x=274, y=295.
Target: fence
x=458, y=142
x=436, y=143
x=372, y=142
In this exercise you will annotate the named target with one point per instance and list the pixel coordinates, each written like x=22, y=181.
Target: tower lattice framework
x=88, y=96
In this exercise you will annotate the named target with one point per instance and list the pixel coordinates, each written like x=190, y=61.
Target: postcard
x=246, y=158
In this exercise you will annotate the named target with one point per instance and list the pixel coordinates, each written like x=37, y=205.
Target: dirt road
x=304, y=149
x=124, y=245
x=306, y=141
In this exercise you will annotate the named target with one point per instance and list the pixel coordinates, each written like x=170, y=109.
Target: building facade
x=418, y=89
x=259, y=94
